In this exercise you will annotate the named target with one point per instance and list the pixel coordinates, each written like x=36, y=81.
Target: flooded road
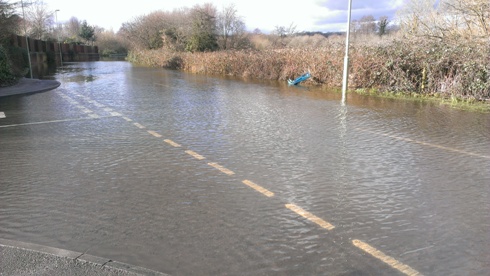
x=198, y=175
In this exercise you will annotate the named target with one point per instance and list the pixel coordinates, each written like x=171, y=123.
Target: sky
x=306, y=15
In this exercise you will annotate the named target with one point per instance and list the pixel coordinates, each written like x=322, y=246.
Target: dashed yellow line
x=221, y=168
x=195, y=155
x=172, y=143
x=407, y=270
x=322, y=223
x=403, y=268
x=139, y=125
x=154, y=133
x=310, y=216
x=258, y=188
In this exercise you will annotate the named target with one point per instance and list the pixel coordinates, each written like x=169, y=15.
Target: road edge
x=99, y=262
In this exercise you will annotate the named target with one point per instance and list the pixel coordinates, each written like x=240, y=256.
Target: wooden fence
x=39, y=51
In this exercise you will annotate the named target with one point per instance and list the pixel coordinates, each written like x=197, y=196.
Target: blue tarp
x=299, y=79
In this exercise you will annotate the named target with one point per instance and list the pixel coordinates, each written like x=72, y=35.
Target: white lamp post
x=58, y=34
x=27, y=40
x=345, y=78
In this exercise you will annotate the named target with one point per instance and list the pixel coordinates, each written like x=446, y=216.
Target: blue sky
x=306, y=15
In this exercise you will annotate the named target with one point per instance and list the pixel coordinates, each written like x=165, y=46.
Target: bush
x=455, y=69
x=6, y=75
x=20, y=61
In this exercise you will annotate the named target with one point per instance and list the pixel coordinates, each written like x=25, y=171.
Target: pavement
x=21, y=258
x=29, y=86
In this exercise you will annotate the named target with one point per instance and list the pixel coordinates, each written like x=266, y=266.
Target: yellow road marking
x=154, y=133
x=127, y=119
x=93, y=116
x=407, y=270
x=114, y=113
x=195, y=155
x=258, y=188
x=139, y=125
x=310, y=216
x=172, y=143
x=427, y=144
x=221, y=168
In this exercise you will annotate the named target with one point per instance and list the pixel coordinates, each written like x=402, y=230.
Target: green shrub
x=6, y=75
x=19, y=59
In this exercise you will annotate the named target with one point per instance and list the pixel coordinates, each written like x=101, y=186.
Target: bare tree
x=231, y=28
x=111, y=44
x=367, y=25
x=446, y=19
x=473, y=15
x=283, y=31
x=40, y=21
x=282, y=35
x=419, y=17
x=145, y=31
x=71, y=30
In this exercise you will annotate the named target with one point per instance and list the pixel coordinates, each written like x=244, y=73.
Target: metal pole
x=27, y=40
x=58, y=34
x=346, y=57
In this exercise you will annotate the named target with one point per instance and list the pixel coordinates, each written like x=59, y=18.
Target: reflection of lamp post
x=58, y=34
x=346, y=58
x=27, y=40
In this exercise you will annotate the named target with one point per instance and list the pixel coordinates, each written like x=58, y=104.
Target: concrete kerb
x=29, y=86
x=21, y=258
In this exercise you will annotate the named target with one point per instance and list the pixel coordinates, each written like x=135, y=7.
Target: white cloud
x=307, y=15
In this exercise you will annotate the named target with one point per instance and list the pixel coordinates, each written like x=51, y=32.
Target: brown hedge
x=458, y=68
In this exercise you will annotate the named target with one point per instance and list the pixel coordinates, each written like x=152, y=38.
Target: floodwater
x=150, y=167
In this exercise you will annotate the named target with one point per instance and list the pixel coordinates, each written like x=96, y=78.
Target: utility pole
x=345, y=78
x=27, y=39
x=58, y=34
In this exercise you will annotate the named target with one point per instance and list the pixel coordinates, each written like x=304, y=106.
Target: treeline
x=438, y=49
x=197, y=29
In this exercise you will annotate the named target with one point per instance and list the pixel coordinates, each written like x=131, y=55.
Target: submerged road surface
x=196, y=175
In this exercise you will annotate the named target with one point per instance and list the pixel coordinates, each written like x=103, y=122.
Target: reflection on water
x=42, y=71
x=378, y=169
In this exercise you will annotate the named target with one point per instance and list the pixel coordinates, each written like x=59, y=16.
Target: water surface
x=409, y=178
